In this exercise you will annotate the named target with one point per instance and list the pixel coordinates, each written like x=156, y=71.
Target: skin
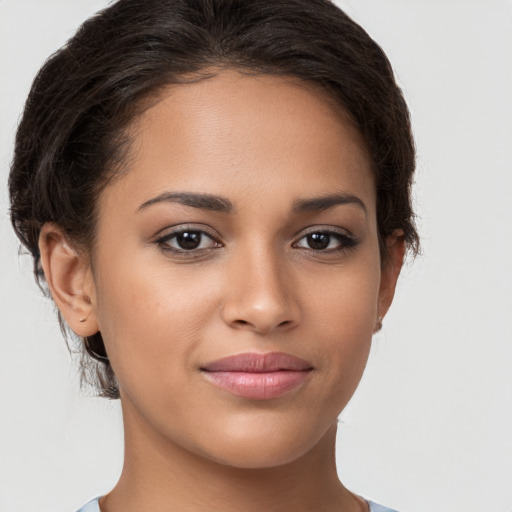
x=254, y=285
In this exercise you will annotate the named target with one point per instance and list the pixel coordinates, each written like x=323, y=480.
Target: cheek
x=342, y=322
x=345, y=299
x=150, y=318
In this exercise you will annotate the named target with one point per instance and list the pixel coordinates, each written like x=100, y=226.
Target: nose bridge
x=260, y=296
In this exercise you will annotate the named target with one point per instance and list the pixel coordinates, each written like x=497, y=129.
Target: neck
x=160, y=475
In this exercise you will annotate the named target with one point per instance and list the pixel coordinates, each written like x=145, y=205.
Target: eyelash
x=345, y=241
x=165, y=240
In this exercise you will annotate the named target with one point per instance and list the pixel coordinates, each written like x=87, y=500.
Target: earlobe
x=69, y=279
x=391, y=267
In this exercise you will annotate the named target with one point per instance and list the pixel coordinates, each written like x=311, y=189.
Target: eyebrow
x=202, y=201
x=315, y=204
x=223, y=205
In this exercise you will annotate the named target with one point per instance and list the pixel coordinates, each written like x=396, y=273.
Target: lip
x=258, y=376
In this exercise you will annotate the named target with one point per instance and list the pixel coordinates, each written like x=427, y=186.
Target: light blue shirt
x=93, y=506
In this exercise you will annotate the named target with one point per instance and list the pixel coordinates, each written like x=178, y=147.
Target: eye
x=187, y=240
x=326, y=241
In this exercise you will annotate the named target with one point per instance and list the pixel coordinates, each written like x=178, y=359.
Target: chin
x=259, y=458
x=260, y=448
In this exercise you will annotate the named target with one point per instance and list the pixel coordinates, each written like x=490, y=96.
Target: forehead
x=253, y=132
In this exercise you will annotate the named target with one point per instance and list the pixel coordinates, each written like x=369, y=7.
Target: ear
x=69, y=278
x=391, y=266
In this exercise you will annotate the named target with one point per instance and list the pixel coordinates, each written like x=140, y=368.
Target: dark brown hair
x=72, y=136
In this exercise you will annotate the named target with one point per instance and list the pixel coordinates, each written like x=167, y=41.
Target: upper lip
x=258, y=363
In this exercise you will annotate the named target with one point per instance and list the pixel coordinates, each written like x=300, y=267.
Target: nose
x=260, y=294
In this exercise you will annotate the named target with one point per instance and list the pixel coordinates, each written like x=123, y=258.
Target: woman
x=217, y=196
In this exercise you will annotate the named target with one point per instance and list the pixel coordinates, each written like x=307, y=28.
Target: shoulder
x=92, y=506
x=374, y=507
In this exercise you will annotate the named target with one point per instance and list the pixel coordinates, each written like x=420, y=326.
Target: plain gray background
x=430, y=427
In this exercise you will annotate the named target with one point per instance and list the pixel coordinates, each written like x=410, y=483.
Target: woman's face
x=244, y=228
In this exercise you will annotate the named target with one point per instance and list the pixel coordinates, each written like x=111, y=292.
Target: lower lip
x=258, y=386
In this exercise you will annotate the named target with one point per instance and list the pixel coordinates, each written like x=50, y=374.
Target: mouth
x=258, y=376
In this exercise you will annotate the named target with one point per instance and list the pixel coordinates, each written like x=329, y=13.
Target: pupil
x=189, y=239
x=318, y=240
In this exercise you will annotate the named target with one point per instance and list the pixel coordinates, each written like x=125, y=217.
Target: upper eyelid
x=337, y=230
x=169, y=231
